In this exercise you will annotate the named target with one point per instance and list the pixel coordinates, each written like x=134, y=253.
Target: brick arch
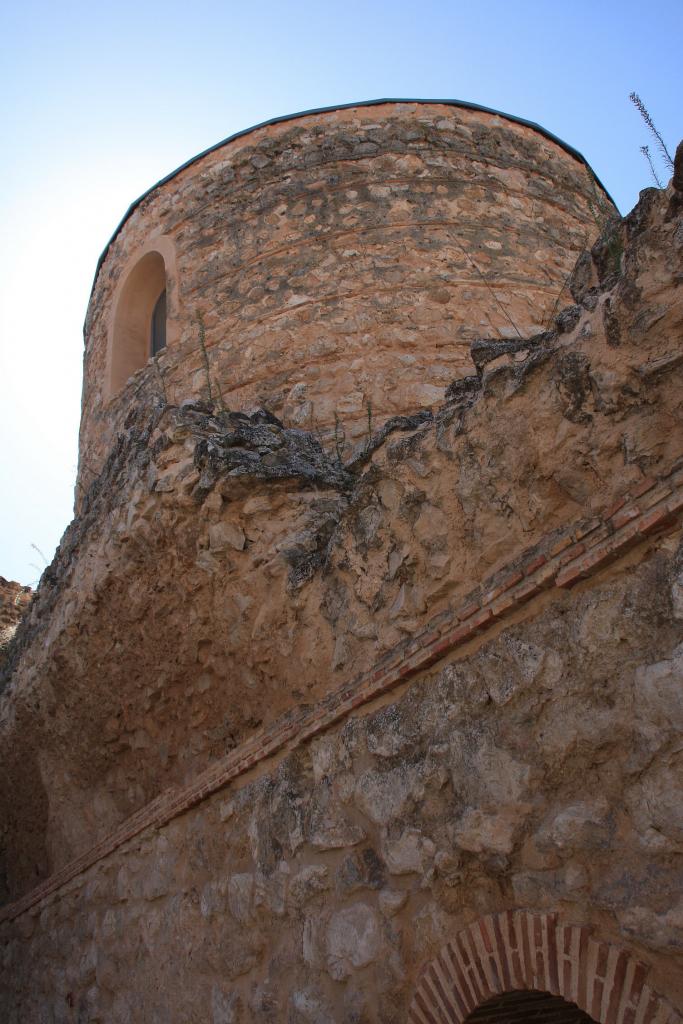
x=523, y=950
x=150, y=271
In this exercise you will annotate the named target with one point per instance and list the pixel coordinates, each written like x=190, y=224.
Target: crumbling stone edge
x=562, y=560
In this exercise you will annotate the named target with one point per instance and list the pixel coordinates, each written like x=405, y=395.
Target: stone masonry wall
x=536, y=770
x=301, y=732
x=346, y=260
x=228, y=570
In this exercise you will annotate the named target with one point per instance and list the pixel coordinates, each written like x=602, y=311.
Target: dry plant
x=656, y=135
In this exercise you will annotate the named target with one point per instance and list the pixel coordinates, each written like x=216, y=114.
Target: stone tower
x=353, y=691
x=335, y=261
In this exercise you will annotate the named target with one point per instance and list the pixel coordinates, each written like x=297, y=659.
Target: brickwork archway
x=520, y=950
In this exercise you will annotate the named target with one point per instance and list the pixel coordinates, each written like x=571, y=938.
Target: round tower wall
x=336, y=266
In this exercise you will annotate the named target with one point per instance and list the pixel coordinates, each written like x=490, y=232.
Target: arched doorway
x=522, y=1006
x=518, y=951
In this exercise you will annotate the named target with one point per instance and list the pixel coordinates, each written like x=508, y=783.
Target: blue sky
x=98, y=101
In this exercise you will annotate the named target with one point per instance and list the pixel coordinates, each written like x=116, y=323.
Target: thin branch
x=488, y=285
x=565, y=284
x=36, y=548
x=645, y=150
x=339, y=439
x=645, y=114
x=202, y=345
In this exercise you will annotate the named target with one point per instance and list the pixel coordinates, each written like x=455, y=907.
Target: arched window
x=138, y=326
x=158, y=325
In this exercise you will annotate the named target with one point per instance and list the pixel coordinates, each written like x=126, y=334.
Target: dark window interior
x=158, y=331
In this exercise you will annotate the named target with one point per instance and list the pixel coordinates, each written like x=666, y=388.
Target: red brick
x=639, y=978
x=407, y=669
x=429, y=638
x=656, y=496
x=499, y=924
x=544, y=577
x=438, y=987
x=428, y=658
x=570, y=575
x=584, y=530
x=598, y=988
x=675, y=503
x=535, y=564
x=502, y=587
x=424, y=1008
x=480, y=620
x=619, y=503
x=643, y=487
x=601, y=960
x=612, y=1014
x=504, y=604
x=651, y=1009
x=445, y=959
x=560, y=545
x=488, y=944
x=458, y=635
x=468, y=610
x=625, y=515
x=552, y=957
x=599, y=555
x=411, y=648
x=599, y=535
x=442, y=646
x=574, y=552
x=655, y=519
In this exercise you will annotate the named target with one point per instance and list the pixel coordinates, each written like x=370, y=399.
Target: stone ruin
x=353, y=692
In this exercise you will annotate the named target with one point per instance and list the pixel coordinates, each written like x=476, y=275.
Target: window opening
x=139, y=323
x=158, y=326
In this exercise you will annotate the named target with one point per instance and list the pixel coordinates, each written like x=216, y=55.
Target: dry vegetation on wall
x=441, y=662
x=664, y=154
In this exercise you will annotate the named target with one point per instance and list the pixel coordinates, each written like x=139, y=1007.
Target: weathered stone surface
x=384, y=795
x=229, y=570
x=407, y=853
x=583, y=826
x=479, y=832
x=597, y=833
x=353, y=940
x=376, y=545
